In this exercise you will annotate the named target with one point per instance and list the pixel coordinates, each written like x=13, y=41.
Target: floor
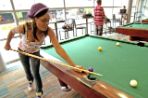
x=13, y=84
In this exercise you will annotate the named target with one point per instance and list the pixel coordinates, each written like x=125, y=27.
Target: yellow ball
x=133, y=83
x=100, y=48
x=117, y=44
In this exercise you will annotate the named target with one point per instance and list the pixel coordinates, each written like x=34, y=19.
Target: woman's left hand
x=78, y=68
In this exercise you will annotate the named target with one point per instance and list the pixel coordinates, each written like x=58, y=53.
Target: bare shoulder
x=22, y=27
x=52, y=35
x=18, y=29
x=50, y=31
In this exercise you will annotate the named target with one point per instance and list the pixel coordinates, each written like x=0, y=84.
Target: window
x=6, y=18
x=6, y=24
x=83, y=3
x=21, y=15
x=75, y=13
x=52, y=3
x=57, y=14
x=5, y=5
x=23, y=4
x=145, y=9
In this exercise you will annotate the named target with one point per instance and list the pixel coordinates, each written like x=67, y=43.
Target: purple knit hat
x=35, y=9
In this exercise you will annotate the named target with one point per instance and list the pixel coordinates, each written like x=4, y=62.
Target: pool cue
x=53, y=61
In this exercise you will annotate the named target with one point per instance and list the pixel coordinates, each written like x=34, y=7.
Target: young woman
x=32, y=36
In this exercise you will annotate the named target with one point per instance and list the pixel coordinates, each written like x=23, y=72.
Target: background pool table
x=137, y=31
x=118, y=64
x=145, y=20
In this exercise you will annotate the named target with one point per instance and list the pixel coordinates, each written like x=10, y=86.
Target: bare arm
x=58, y=48
x=11, y=34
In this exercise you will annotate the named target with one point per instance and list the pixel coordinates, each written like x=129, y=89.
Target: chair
x=137, y=16
x=68, y=26
x=108, y=28
x=80, y=27
x=115, y=21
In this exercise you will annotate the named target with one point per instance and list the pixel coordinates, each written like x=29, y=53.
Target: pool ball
x=91, y=77
x=90, y=69
x=117, y=44
x=100, y=49
x=133, y=83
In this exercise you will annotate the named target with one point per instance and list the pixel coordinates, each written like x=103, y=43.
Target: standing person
x=33, y=34
x=123, y=15
x=99, y=17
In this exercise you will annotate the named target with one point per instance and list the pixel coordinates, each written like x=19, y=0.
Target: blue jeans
x=34, y=64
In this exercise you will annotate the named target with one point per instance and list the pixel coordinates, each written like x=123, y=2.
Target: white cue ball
x=133, y=83
x=117, y=44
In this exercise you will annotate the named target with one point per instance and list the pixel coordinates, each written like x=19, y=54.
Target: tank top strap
x=28, y=28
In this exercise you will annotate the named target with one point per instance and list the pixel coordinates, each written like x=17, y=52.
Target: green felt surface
x=118, y=64
x=137, y=26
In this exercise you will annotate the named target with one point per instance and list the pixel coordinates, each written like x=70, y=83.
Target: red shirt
x=99, y=15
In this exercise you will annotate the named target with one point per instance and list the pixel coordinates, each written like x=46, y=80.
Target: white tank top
x=27, y=46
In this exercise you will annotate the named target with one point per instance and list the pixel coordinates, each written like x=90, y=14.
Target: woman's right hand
x=7, y=47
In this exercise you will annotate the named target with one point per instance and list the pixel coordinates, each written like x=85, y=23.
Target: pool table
x=145, y=20
x=117, y=64
x=136, y=31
